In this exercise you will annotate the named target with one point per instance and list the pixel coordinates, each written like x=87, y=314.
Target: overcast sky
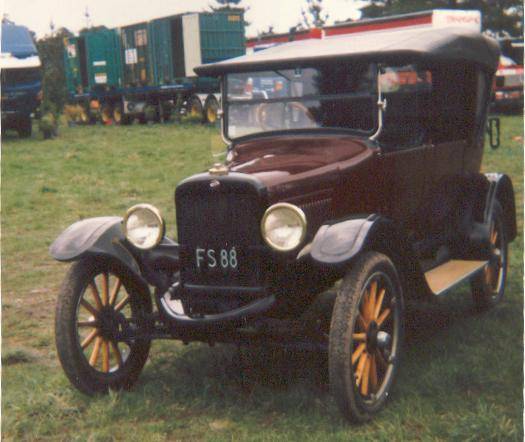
x=37, y=14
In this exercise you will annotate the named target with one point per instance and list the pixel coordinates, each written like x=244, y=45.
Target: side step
x=447, y=275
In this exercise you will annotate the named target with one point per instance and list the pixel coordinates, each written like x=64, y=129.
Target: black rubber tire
x=344, y=317
x=211, y=108
x=76, y=367
x=24, y=127
x=195, y=109
x=166, y=111
x=483, y=295
x=118, y=114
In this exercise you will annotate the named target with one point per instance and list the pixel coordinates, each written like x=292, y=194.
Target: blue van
x=21, y=78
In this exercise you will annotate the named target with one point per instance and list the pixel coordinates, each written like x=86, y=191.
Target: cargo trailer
x=155, y=67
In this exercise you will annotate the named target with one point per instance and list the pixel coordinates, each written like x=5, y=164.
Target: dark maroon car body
x=408, y=187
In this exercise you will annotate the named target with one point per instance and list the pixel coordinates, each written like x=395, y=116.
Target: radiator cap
x=219, y=169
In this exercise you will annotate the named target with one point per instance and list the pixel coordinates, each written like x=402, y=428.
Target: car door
x=406, y=148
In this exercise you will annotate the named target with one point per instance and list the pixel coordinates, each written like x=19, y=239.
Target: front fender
x=336, y=244
x=94, y=236
x=339, y=242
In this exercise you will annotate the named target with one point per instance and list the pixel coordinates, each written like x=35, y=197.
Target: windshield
x=336, y=96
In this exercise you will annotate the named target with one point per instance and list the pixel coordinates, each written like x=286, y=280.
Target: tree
x=231, y=6
x=51, y=52
x=313, y=16
x=498, y=15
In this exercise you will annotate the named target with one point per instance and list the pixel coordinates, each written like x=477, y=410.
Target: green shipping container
x=205, y=38
x=92, y=60
x=137, y=66
x=160, y=48
x=221, y=35
x=74, y=82
x=103, y=58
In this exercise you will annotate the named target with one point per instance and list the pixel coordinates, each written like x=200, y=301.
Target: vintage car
x=353, y=191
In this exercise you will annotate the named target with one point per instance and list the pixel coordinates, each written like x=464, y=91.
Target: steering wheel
x=270, y=120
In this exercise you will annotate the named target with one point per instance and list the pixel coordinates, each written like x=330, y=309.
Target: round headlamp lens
x=144, y=226
x=283, y=226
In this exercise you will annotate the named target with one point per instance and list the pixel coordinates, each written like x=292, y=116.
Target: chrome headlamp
x=283, y=226
x=143, y=226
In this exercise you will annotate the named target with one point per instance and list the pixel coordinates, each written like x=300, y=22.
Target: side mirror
x=493, y=131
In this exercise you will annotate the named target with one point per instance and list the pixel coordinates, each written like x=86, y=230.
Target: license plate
x=225, y=259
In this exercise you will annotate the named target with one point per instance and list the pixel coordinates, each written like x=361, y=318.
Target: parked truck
x=21, y=78
x=145, y=70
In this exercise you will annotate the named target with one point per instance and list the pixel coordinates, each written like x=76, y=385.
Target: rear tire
x=488, y=287
x=88, y=320
x=366, y=334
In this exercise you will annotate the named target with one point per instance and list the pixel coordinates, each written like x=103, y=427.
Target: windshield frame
x=336, y=130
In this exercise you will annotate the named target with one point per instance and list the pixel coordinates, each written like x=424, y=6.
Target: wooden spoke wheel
x=488, y=287
x=365, y=336
x=101, y=320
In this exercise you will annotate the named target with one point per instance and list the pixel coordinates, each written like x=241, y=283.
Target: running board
x=446, y=276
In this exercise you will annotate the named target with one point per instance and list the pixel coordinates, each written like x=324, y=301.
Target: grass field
x=461, y=378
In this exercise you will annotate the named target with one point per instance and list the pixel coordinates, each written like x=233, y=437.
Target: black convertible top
x=433, y=45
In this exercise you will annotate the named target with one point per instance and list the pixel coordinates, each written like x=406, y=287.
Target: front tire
x=366, y=337
x=98, y=301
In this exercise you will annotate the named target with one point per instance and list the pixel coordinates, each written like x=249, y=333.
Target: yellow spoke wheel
x=365, y=336
x=488, y=287
x=98, y=336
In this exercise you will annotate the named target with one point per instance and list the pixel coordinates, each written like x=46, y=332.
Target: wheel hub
x=371, y=336
x=109, y=321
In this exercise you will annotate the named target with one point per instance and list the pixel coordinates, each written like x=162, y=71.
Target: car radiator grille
x=226, y=218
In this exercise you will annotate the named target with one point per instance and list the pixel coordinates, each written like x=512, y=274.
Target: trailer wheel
x=166, y=110
x=94, y=111
x=117, y=114
x=211, y=109
x=83, y=114
x=106, y=114
x=195, y=109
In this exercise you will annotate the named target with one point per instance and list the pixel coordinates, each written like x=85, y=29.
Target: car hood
x=295, y=165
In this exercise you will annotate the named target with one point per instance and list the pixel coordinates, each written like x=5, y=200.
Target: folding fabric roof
x=432, y=45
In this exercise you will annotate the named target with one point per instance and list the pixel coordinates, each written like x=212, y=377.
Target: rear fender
x=501, y=190
x=336, y=244
x=94, y=236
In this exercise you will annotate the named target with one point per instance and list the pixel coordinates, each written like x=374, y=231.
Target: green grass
x=461, y=377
